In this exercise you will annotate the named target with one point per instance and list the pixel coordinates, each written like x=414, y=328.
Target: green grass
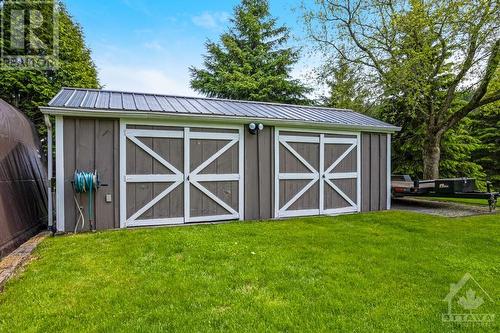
x=386, y=272
x=466, y=201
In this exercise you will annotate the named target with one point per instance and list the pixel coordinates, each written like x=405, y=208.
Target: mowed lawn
x=386, y=272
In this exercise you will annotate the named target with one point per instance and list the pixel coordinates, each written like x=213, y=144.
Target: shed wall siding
x=373, y=172
x=259, y=174
x=92, y=144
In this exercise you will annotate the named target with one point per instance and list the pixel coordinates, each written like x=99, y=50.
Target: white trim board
x=122, y=167
x=60, y=174
x=389, y=172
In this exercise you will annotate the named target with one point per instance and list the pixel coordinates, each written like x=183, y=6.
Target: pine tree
x=251, y=61
x=345, y=88
x=29, y=89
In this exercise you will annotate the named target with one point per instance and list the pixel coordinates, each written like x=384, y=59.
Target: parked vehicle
x=403, y=185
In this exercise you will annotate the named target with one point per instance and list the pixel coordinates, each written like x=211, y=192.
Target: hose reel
x=85, y=182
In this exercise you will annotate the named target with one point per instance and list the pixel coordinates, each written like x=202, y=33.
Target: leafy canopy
x=345, y=87
x=29, y=89
x=251, y=61
x=434, y=58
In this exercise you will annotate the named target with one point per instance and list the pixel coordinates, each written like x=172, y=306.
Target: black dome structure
x=23, y=180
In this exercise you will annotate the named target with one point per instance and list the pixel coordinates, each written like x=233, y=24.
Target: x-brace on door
x=182, y=175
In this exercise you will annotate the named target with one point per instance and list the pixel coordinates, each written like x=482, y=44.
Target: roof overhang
x=203, y=118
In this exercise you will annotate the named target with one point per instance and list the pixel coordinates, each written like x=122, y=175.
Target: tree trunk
x=432, y=155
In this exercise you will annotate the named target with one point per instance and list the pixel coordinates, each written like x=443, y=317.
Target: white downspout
x=50, y=216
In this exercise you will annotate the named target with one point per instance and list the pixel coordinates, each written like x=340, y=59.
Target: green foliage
x=435, y=59
x=29, y=89
x=457, y=149
x=456, y=153
x=344, y=85
x=406, y=144
x=251, y=60
x=485, y=126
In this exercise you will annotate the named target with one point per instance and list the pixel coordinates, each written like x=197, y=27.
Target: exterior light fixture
x=254, y=128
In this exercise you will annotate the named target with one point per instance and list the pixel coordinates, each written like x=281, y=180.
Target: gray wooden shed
x=171, y=159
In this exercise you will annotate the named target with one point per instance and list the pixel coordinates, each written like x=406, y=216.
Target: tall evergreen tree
x=251, y=61
x=345, y=89
x=29, y=89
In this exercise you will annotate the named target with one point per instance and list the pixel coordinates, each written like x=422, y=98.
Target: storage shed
x=171, y=160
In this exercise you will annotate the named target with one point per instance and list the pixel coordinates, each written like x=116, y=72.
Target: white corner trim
x=60, y=174
x=389, y=171
x=276, y=173
x=187, y=184
x=358, y=165
x=123, y=166
x=321, y=173
x=241, y=185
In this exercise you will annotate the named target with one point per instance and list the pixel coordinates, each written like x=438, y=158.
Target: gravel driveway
x=449, y=209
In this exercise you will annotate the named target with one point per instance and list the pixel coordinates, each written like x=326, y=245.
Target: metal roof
x=90, y=100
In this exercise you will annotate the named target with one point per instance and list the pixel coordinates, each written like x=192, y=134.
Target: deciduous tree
x=427, y=54
x=29, y=89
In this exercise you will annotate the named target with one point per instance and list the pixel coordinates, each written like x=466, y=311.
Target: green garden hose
x=86, y=182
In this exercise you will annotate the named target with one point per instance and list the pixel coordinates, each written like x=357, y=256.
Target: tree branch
x=490, y=99
x=351, y=13
x=468, y=62
x=477, y=99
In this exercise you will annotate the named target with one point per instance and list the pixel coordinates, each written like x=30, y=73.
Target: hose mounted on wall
x=86, y=182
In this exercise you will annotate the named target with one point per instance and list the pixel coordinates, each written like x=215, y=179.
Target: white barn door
x=180, y=175
x=316, y=173
x=341, y=175
x=213, y=188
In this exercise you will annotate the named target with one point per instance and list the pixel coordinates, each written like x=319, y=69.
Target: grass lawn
x=466, y=201
x=386, y=272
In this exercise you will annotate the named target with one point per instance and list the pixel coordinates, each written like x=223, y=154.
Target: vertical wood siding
x=259, y=174
x=373, y=172
x=92, y=144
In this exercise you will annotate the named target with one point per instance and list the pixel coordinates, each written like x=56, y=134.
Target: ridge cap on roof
x=207, y=98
